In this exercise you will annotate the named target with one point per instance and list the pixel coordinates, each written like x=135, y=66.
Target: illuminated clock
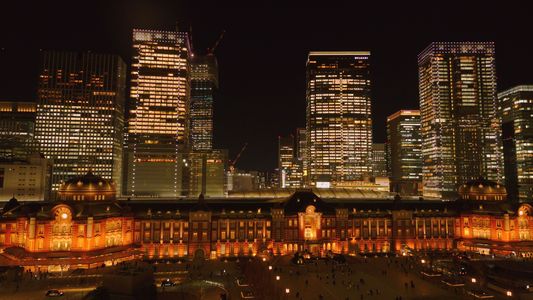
x=62, y=213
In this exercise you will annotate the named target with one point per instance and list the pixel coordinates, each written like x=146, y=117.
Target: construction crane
x=234, y=161
x=211, y=51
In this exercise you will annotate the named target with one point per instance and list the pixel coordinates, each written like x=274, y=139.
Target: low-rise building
x=86, y=232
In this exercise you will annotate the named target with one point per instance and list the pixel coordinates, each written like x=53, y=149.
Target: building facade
x=285, y=156
x=290, y=167
x=339, y=124
x=301, y=152
x=17, y=130
x=460, y=130
x=516, y=111
x=80, y=114
x=206, y=171
x=27, y=180
x=404, y=152
x=87, y=227
x=204, y=83
x=158, y=116
x=379, y=160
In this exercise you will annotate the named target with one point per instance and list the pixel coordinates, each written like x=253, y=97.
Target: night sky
x=263, y=54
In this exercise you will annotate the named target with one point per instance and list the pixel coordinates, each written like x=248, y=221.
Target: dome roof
x=482, y=189
x=87, y=187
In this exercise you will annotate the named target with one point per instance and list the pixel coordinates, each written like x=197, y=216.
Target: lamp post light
x=270, y=268
x=277, y=277
x=474, y=280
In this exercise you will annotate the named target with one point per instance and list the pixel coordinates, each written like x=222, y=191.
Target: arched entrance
x=199, y=254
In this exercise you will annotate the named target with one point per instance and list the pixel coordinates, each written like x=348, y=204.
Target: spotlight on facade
x=264, y=259
x=509, y=294
x=287, y=291
x=270, y=268
x=277, y=277
x=474, y=280
x=423, y=261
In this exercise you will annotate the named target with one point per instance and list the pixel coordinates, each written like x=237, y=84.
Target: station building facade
x=88, y=226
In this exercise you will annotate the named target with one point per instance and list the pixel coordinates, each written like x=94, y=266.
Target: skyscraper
x=404, y=152
x=379, y=161
x=206, y=172
x=17, y=127
x=301, y=135
x=516, y=112
x=204, y=82
x=80, y=114
x=285, y=159
x=460, y=130
x=339, y=124
x=158, y=119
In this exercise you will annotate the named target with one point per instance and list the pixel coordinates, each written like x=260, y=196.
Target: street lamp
x=287, y=291
x=423, y=261
x=264, y=259
x=277, y=277
x=270, y=268
x=509, y=294
x=474, y=280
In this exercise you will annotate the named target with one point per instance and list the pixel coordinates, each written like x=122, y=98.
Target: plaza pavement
x=370, y=278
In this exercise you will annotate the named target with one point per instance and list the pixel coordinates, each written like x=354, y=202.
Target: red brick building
x=88, y=227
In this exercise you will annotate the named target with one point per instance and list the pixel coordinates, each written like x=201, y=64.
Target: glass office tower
x=17, y=128
x=339, y=124
x=80, y=114
x=404, y=152
x=516, y=112
x=204, y=83
x=379, y=160
x=460, y=130
x=158, y=116
x=301, y=147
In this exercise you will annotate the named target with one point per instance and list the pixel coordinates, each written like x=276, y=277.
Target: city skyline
x=170, y=149
x=234, y=108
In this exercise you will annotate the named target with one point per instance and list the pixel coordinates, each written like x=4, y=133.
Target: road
x=70, y=294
